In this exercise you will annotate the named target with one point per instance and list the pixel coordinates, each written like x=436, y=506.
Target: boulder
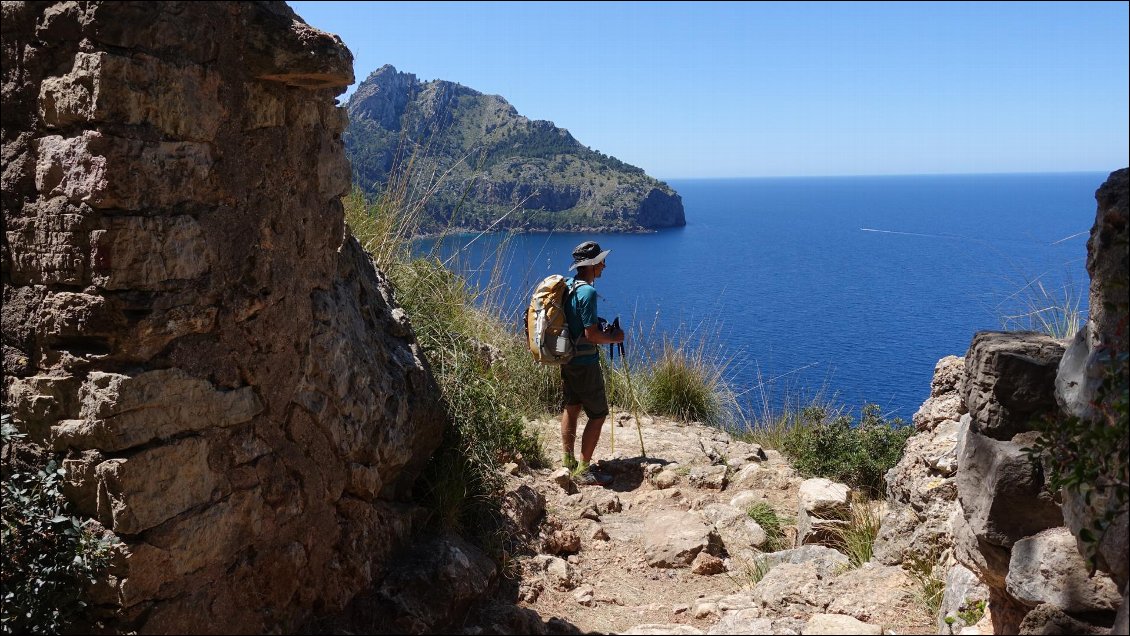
x=873, y=593
x=827, y=561
x=1001, y=491
x=838, y=624
x=738, y=532
x=823, y=507
x=673, y=539
x=524, y=506
x=793, y=589
x=1047, y=568
x=962, y=596
x=921, y=496
x=445, y=567
x=187, y=316
x=1049, y=619
x=1010, y=381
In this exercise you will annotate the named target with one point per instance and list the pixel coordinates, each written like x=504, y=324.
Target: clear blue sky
x=781, y=89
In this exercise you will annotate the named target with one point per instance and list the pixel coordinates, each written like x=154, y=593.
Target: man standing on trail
x=582, y=379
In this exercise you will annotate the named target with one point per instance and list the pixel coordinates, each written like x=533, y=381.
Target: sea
x=842, y=290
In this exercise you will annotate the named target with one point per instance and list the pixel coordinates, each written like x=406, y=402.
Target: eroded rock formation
x=238, y=397
x=967, y=495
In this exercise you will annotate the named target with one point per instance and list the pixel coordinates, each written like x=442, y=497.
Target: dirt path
x=597, y=568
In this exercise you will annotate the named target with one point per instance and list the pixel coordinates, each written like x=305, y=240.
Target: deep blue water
x=849, y=287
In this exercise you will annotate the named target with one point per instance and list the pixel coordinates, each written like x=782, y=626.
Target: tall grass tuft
x=487, y=379
x=856, y=539
x=766, y=517
x=1058, y=313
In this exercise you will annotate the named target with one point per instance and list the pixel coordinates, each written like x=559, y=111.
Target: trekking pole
x=627, y=367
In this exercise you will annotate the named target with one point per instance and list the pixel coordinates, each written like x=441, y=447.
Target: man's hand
x=595, y=335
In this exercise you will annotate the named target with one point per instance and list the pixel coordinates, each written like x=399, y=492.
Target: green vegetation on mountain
x=486, y=165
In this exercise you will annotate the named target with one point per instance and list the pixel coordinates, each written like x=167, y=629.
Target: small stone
x=584, y=595
x=706, y=610
x=679, y=609
x=510, y=468
x=665, y=479
x=706, y=564
x=564, y=479
x=590, y=513
x=574, y=559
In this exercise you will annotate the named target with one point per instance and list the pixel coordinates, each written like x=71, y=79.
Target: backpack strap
x=580, y=342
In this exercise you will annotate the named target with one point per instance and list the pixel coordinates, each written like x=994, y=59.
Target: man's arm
x=594, y=335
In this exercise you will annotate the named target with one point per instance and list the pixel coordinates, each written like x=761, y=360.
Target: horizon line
x=896, y=174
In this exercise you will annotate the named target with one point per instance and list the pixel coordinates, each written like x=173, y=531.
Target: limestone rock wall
x=238, y=397
x=965, y=492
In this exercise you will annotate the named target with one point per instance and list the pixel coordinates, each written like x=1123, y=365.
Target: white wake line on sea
x=958, y=236
x=950, y=236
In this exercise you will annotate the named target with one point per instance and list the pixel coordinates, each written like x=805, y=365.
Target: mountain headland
x=492, y=166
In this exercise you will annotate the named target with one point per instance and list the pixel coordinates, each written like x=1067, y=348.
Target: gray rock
x=708, y=477
x=524, y=506
x=826, y=560
x=1002, y=493
x=447, y=567
x=962, y=591
x=736, y=529
x=823, y=507
x=921, y=497
x=674, y=539
x=838, y=624
x=1047, y=568
x=662, y=629
x=559, y=573
x=746, y=621
x=1049, y=619
x=1010, y=381
x=790, y=589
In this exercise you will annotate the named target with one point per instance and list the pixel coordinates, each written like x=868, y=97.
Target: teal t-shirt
x=580, y=312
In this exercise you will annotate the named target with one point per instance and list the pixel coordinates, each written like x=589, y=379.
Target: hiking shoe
x=590, y=477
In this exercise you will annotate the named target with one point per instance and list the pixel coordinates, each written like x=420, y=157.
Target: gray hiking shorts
x=584, y=385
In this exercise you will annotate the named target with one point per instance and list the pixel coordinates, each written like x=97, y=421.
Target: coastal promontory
x=474, y=163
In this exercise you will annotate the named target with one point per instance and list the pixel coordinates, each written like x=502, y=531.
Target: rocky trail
x=668, y=548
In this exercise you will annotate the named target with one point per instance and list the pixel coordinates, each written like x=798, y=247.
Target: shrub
x=838, y=448
x=1090, y=456
x=50, y=555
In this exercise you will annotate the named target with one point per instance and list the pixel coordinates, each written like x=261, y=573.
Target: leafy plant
x=1090, y=456
x=766, y=517
x=50, y=555
x=838, y=448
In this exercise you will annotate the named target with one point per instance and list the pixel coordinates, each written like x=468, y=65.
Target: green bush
x=840, y=449
x=50, y=555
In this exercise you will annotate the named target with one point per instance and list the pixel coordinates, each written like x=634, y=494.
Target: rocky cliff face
x=237, y=395
x=496, y=163
x=966, y=494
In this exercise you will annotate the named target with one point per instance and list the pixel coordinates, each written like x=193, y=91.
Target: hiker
x=581, y=377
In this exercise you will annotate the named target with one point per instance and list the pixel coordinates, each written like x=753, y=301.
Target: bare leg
x=569, y=428
x=590, y=437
